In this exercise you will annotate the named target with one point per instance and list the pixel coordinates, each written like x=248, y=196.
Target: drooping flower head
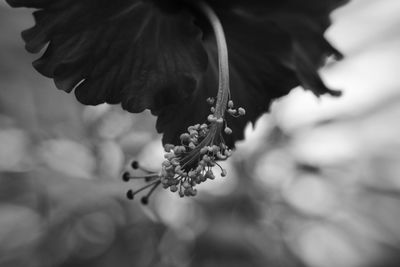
x=171, y=57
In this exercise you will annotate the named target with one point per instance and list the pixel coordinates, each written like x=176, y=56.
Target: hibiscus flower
x=171, y=57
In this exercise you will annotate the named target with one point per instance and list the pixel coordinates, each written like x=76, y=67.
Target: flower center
x=191, y=162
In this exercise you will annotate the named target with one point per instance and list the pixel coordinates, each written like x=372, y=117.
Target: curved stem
x=223, y=63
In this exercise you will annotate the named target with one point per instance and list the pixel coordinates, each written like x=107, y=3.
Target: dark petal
x=306, y=22
x=310, y=49
x=28, y=3
x=268, y=57
x=263, y=6
x=121, y=51
x=131, y=52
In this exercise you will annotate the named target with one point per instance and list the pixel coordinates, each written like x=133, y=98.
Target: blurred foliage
x=313, y=185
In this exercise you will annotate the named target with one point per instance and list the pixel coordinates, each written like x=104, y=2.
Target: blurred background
x=316, y=182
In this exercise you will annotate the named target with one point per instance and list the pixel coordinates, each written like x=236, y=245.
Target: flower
x=169, y=56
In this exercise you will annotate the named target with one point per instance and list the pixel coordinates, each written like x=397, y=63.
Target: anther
x=168, y=147
x=203, y=150
x=185, y=137
x=211, y=100
x=215, y=148
x=192, y=191
x=232, y=111
x=186, y=185
x=211, y=118
x=193, y=133
x=220, y=156
x=228, y=130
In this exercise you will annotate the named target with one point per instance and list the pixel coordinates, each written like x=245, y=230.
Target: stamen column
x=223, y=63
